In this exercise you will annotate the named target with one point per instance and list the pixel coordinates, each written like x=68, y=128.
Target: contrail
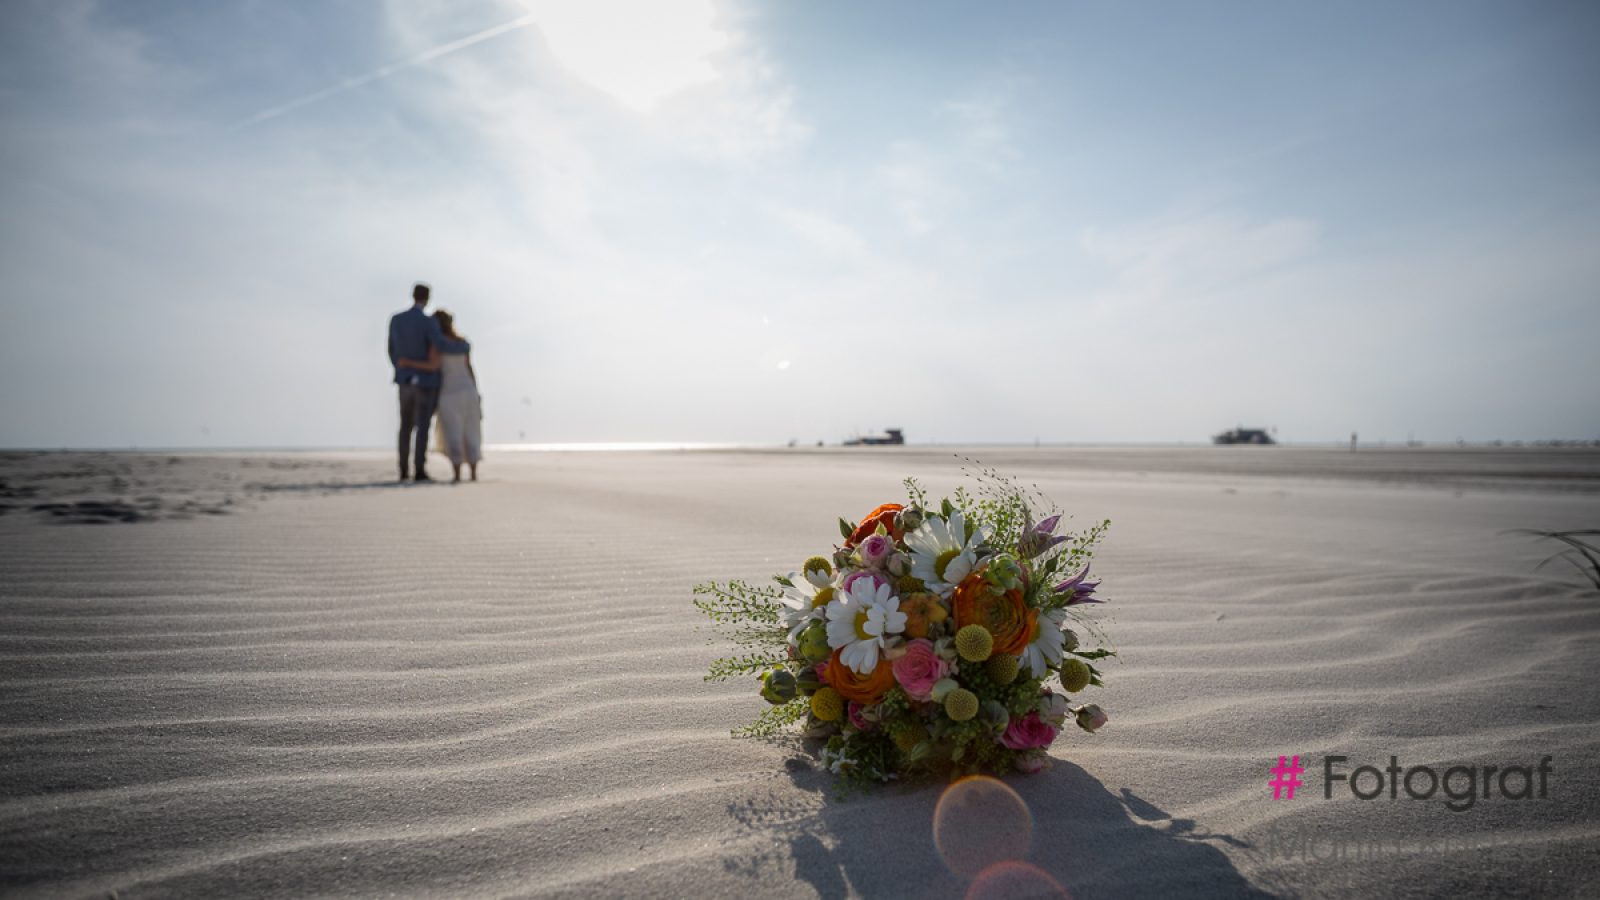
x=384, y=72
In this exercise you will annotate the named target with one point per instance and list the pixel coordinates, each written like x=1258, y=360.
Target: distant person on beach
x=414, y=335
x=459, y=406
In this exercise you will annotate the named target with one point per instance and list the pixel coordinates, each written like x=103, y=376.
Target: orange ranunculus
x=922, y=610
x=888, y=514
x=977, y=602
x=868, y=688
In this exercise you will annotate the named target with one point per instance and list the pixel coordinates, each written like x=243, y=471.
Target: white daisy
x=804, y=602
x=1048, y=644
x=941, y=552
x=861, y=619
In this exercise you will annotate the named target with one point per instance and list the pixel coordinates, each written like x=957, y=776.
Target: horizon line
x=655, y=446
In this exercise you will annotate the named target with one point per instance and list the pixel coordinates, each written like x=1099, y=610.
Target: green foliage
x=750, y=617
x=999, y=503
x=775, y=719
x=1101, y=653
x=747, y=664
x=729, y=603
x=916, y=495
x=872, y=757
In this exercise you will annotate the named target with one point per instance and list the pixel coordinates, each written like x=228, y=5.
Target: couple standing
x=433, y=367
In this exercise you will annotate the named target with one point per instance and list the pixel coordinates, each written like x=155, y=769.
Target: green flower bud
x=814, y=642
x=1004, y=572
x=778, y=687
x=808, y=681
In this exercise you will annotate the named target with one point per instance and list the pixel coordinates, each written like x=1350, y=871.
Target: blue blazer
x=411, y=333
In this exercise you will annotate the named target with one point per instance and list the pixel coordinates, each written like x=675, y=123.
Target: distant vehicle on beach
x=891, y=436
x=1242, y=435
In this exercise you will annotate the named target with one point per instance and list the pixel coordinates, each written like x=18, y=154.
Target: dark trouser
x=416, y=412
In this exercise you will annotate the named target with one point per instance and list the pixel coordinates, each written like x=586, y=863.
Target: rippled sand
x=307, y=682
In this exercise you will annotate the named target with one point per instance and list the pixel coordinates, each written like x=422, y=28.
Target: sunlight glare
x=638, y=52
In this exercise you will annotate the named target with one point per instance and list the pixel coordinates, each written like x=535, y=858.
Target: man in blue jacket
x=411, y=334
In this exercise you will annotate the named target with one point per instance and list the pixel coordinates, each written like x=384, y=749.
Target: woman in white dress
x=460, y=409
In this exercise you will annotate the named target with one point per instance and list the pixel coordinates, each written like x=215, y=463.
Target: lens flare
x=1015, y=880
x=979, y=823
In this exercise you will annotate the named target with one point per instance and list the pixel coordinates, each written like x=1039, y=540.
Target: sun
x=639, y=51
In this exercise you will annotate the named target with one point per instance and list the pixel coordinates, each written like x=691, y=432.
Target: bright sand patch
x=333, y=686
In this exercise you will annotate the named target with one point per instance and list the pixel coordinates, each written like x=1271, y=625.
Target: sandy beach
x=283, y=675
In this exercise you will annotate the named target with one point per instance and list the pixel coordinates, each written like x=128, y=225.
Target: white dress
x=460, y=431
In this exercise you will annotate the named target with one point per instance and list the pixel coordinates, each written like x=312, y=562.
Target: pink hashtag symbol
x=1286, y=777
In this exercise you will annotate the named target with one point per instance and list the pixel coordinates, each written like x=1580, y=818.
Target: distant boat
x=1244, y=435
x=890, y=437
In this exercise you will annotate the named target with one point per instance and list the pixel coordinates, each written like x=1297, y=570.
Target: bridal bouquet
x=937, y=639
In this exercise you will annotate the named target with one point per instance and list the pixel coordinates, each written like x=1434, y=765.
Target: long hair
x=447, y=324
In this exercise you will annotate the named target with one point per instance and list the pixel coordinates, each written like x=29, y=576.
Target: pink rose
x=853, y=577
x=876, y=549
x=919, y=669
x=1029, y=732
x=855, y=710
x=1091, y=718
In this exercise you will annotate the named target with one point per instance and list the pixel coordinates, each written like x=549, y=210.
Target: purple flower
x=1039, y=538
x=1079, y=589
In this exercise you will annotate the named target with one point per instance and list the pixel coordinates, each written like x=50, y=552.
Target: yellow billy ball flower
x=827, y=705
x=960, y=704
x=974, y=643
x=1002, y=668
x=1074, y=675
x=908, y=735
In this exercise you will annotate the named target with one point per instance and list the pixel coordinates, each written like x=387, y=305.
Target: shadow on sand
x=1092, y=841
x=332, y=487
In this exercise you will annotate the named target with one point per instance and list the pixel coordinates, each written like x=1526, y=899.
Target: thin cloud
x=417, y=59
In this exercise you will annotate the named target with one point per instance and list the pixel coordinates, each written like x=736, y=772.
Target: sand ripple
x=495, y=691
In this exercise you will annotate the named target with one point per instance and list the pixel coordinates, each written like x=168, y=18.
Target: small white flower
x=804, y=602
x=1048, y=645
x=861, y=620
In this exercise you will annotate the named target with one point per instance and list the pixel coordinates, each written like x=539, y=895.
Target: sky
x=698, y=220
